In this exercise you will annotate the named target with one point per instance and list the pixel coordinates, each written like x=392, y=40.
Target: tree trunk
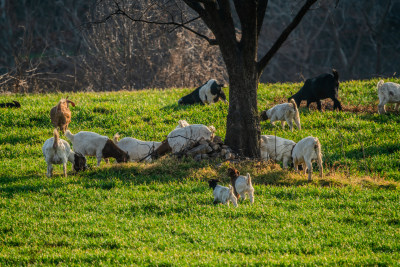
x=243, y=125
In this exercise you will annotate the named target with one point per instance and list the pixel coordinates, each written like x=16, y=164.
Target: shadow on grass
x=177, y=107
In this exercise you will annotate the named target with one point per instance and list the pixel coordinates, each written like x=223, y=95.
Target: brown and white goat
x=61, y=115
x=93, y=144
x=241, y=184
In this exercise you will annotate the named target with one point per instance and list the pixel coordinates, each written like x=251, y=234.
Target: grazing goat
x=241, y=184
x=61, y=115
x=221, y=193
x=138, y=150
x=315, y=89
x=283, y=112
x=388, y=93
x=208, y=93
x=58, y=151
x=305, y=152
x=14, y=104
x=277, y=149
x=93, y=144
x=180, y=138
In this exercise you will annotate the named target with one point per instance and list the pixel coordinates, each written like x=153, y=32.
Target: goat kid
x=138, y=150
x=180, y=138
x=305, y=152
x=283, y=112
x=241, y=184
x=208, y=93
x=93, y=144
x=316, y=89
x=61, y=114
x=58, y=151
x=388, y=93
x=277, y=149
x=222, y=194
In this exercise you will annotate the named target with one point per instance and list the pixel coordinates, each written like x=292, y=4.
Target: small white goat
x=305, y=152
x=388, y=93
x=137, y=149
x=61, y=115
x=283, y=112
x=276, y=148
x=58, y=151
x=180, y=138
x=241, y=184
x=93, y=144
x=222, y=194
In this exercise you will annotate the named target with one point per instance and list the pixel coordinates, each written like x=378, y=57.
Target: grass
x=161, y=213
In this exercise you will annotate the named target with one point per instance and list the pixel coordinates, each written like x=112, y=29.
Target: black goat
x=15, y=104
x=208, y=93
x=315, y=89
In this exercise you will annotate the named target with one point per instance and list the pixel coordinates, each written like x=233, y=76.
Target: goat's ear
x=72, y=103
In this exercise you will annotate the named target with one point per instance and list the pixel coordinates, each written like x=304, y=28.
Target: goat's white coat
x=58, y=155
x=305, y=152
x=276, y=148
x=137, y=149
x=180, y=138
x=285, y=112
x=205, y=92
x=224, y=195
x=88, y=143
x=388, y=93
x=244, y=186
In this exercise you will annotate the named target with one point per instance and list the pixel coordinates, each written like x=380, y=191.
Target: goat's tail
x=69, y=135
x=335, y=74
x=379, y=85
x=248, y=179
x=115, y=138
x=296, y=114
x=317, y=147
x=56, y=139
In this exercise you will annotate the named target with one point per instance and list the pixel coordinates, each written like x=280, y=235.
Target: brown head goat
x=61, y=115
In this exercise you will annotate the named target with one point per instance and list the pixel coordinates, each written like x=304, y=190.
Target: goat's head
x=263, y=115
x=124, y=157
x=79, y=162
x=233, y=173
x=213, y=183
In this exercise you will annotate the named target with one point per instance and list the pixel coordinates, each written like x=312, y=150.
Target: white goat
x=283, y=112
x=93, y=144
x=241, y=184
x=222, y=194
x=137, y=149
x=58, y=151
x=388, y=93
x=180, y=138
x=305, y=152
x=277, y=149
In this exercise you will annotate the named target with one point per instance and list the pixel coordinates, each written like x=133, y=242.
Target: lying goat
x=388, y=93
x=277, y=149
x=14, y=104
x=283, y=112
x=58, y=151
x=180, y=138
x=93, y=144
x=61, y=115
x=318, y=88
x=221, y=193
x=138, y=150
x=241, y=184
x=208, y=93
x=305, y=152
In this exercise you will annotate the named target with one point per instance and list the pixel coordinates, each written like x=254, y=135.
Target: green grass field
x=161, y=213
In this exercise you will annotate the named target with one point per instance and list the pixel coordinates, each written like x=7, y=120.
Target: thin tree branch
x=284, y=35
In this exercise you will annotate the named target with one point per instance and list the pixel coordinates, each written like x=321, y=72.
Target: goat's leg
x=65, y=169
x=283, y=125
x=49, y=170
x=309, y=169
x=336, y=104
x=396, y=107
x=319, y=105
x=285, y=162
x=98, y=160
x=251, y=197
x=381, y=108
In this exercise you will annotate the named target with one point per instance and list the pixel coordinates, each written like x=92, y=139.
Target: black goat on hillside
x=14, y=104
x=316, y=89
